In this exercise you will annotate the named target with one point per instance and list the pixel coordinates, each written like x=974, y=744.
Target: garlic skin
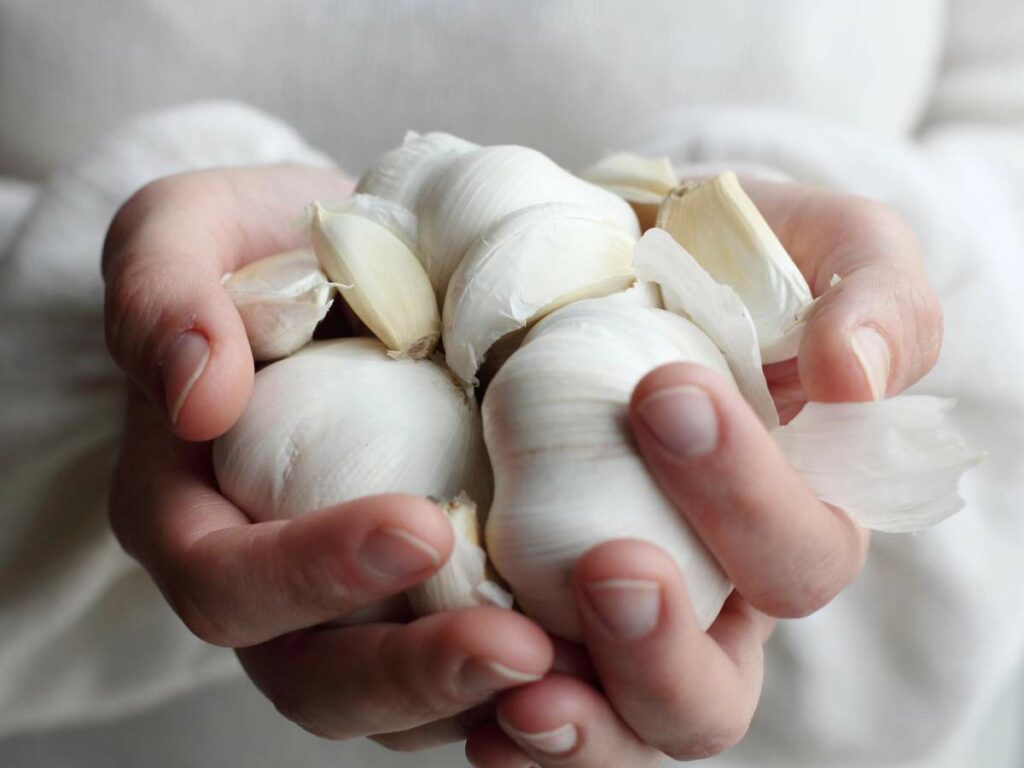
x=530, y=263
x=566, y=474
x=464, y=581
x=281, y=300
x=716, y=309
x=402, y=174
x=339, y=420
x=483, y=186
x=642, y=181
x=716, y=222
x=366, y=246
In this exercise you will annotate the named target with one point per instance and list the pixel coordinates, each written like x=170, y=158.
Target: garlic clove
x=642, y=181
x=481, y=187
x=281, y=300
x=340, y=420
x=717, y=223
x=892, y=465
x=402, y=174
x=688, y=290
x=364, y=246
x=527, y=265
x=566, y=473
x=463, y=581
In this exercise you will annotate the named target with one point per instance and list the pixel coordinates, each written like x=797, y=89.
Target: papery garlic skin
x=465, y=580
x=402, y=174
x=530, y=263
x=716, y=309
x=340, y=420
x=725, y=232
x=566, y=473
x=281, y=300
x=366, y=247
x=481, y=187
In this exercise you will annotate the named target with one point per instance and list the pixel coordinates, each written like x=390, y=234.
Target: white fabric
x=898, y=671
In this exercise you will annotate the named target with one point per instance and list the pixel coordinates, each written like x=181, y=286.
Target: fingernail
x=683, y=419
x=872, y=355
x=479, y=677
x=181, y=368
x=628, y=608
x=557, y=741
x=396, y=555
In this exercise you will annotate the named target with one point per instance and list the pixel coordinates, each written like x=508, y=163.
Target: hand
x=666, y=688
x=261, y=587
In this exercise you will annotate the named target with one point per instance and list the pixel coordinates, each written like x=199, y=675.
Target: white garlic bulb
x=483, y=186
x=281, y=300
x=401, y=174
x=528, y=264
x=566, y=473
x=339, y=420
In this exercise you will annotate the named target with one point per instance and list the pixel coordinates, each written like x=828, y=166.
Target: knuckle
x=198, y=620
x=299, y=711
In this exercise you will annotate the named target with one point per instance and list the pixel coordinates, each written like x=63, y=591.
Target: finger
x=170, y=324
x=787, y=553
x=490, y=747
x=562, y=721
x=880, y=328
x=236, y=583
x=688, y=693
x=381, y=678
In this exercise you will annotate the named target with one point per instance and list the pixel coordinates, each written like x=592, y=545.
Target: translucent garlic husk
x=465, y=580
x=367, y=246
x=281, y=300
x=483, y=186
x=642, y=181
x=340, y=420
x=724, y=231
x=566, y=473
x=401, y=174
x=529, y=264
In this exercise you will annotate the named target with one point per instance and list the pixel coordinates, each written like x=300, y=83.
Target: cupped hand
x=266, y=589
x=661, y=686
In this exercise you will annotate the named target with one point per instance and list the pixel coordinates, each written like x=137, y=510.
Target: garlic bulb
x=281, y=300
x=566, y=474
x=367, y=246
x=464, y=581
x=340, y=420
x=717, y=223
x=530, y=263
x=483, y=186
x=642, y=181
x=401, y=174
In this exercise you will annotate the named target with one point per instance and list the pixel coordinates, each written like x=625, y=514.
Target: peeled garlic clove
x=364, y=247
x=642, y=181
x=530, y=263
x=340, y=420
x=464, y=580
x=483, y=186
x=716, y=309
x=566, y=473
x=401, y=174
x=281, y=299
x=717, y=223
x=892, y=465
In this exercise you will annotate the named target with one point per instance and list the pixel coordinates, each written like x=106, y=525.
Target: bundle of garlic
x=539, y=281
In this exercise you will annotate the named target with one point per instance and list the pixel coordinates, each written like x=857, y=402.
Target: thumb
x=170, y=325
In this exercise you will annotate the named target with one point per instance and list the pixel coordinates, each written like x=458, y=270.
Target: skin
x=489, y=676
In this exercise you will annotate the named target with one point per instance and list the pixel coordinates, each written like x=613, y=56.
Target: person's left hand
x=659, y=685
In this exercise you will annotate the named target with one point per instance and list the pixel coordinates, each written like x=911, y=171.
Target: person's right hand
x=265, y=588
